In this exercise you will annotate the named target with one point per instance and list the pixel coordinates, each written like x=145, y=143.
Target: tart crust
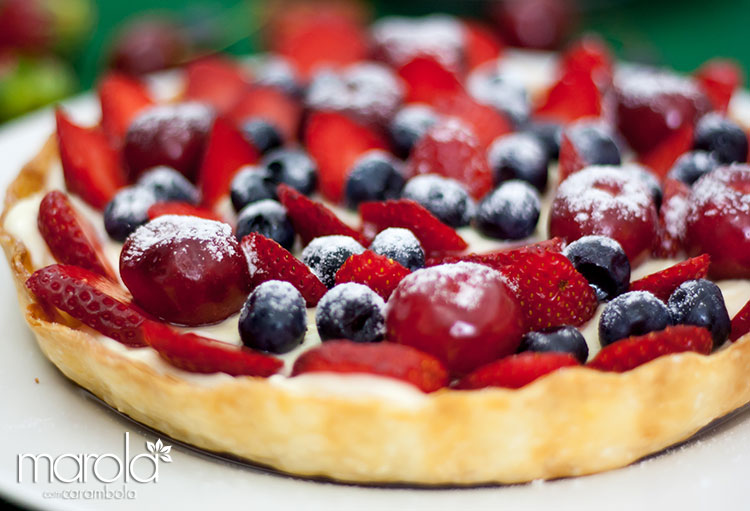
x=572, y=422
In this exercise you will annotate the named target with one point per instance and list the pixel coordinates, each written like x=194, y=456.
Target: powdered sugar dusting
x=713, y=194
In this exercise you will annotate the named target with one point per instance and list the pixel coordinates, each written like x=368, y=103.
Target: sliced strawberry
x=312, y=219
x=574, y=96
x=589, y=55
x=718, y=79
x=69, y=236
x=740, y=323
x=215, y=80
x=267, y=260
x=121, y=98
x=427, y=80
x=271, y=105
x=383, y=359
x=335, y=142
x=198, y=354
x=226, y=152
x=482, y=45
x=661, y=158
x=501, y=258
x=91, y=167
x=181, y=208
x=515, y=371
x=486, y=122
x=90, y=298
x=436, y=237
x=378, y=272
x=626, y=354
x=550, y=290
x=663, y=283
x=671, y=229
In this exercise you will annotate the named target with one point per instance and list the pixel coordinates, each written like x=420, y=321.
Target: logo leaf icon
x=166, y=458
x=166, y=449
x=159, y=445
x=151, y=447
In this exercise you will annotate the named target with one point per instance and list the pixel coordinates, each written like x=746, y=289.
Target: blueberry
x=169, y=185
x=275, y=71
x=488, y=85
x=127, y=211
x=549, y=134
x=263, y=135
x=633, y=313
x=519, y=156
x=700, y=303
x=602, y=261
x=251, y=184
x=565, y=339
x=510, y=212
x=400, y=245
x=274, y=318
x=722, y=137
x=325, y=255
x=375, y=177
x=693, y=165
x=293, y=167
x=351, y=311
x=594, y=142
x=445, y=198
x=266, y=217
x=409, y=125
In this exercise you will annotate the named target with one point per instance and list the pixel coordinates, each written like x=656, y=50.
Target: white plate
x=55, y=417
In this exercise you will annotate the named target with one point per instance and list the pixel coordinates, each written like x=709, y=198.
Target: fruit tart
x=400, y=253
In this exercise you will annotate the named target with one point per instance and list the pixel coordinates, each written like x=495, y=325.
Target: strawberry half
x=550, y=291
x=574, y=96
x=436, y=237
x=740, y=323
x=226, y=152
x=69, y=236
x=672, y=227
x=271, y=105
x=90, y=298
x=121, y=98
x=427, y=81
x=216, y=81
x=663, y=283
x=181, y=208
x=383, y=359
x=312, y=219
x=267, y=260
x=335, y=142
x=378, y=272
x=501, y=258
x=515, y=371
x=718, y=79
x=626, y=354
x=198, y=354
x=486, y=122
x=589, y=55
x=662, y=157
x=91, y=167
x=481, y=44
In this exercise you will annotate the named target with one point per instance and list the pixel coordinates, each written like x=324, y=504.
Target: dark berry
x=400, y=245
x=325, y=255
x=633, y=313
x=700, y=303
x=693, y=165
x=351, y=311
x=445, y=198
x=564, y=339
x=649, y=179
x=252, y=184
x=274, y=318
x=263, y=135
x=721, y=137
x=169, y=185
x=275, y=71
x=266, y=217
x=376, y=176
x=127, y=211
x=293, y=167
x=603, y=262
x=510, y=212
x=594, y=143
x=409, y=125
x=549, y=134
x=519, y=156
x=488, y=85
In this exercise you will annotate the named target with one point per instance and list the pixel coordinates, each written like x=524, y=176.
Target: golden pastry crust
x=575, y=421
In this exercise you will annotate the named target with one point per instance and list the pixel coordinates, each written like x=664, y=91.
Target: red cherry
x=148, y=45
x=541, y=24
x=464, y=314
x=718, y=219
x=185, y=270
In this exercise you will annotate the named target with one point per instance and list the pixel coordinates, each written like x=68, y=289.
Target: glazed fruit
x=427, y=80
x=375, y=176
x=516, y=371
x=292, y=167
x=445, y=198
x=586, y=143
x=266, y=217
x=719, y=79
x=351, y=311
x=325, y=255
x=519, y=156
x=693, y=165
x=185, y=270
x=409, y=125
x=663, y=283
x=261, y=134
x=721, y=137
x=700, y=303
x=121, y=98
x=565, y=339
x=400, y=245
x=631, y=314
x=465, y=314
x=127, y=211
x=510, y=212
x=169, y=185
x=274, y=318
x=604, y=264
x=251, y=184
x=377, y=272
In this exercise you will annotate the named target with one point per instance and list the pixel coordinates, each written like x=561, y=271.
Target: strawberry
x=574, y=96
x=591, y=56
x=181, y=208
x=121, y=98
x=91, y=167
x=550, y=290
x=226, y=152
x=267, y=260
x=515, y=371
x=626, y=354
x=671, y=229
x=718, y=79
x=501, y=258
x=740, y=323
x=90, y=298
x=312, y=219
x=663, y=283
x=271, y=105
x=383, y=359
x=482, y=45
x=378, y=272
x=198, y=354
x=215, y=80
x=427, y=80
x=436, y=237
x=486, y=122
x=69, y=236
x=661, y=158
x=335, y=142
